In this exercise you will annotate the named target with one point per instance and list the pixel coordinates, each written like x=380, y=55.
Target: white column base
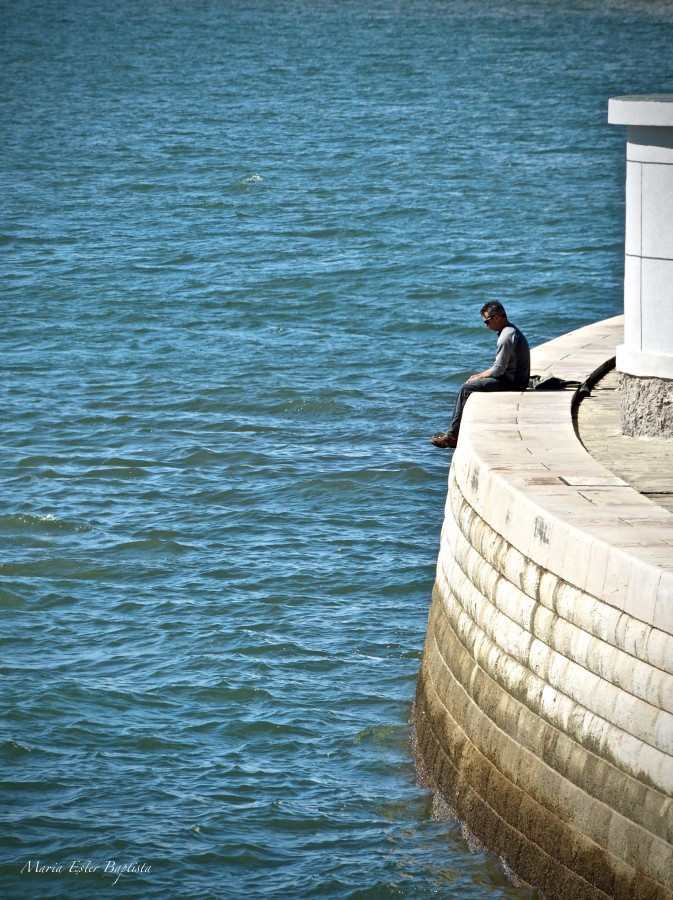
x=641, y=364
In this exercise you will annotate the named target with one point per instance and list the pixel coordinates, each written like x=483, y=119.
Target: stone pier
x=544, y=707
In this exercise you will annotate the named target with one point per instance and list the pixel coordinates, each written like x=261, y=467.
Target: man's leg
x=481, y=385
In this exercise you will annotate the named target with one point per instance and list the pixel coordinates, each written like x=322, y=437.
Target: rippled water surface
x=243, y=246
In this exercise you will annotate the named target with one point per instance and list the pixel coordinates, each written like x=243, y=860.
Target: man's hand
x=479, y=375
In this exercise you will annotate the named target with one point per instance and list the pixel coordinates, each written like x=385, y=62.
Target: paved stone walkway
x=644, y=463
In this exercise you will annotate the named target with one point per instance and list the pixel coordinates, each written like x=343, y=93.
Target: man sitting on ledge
x=509, y=372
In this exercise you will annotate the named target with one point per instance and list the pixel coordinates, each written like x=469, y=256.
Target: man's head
x=494, y=315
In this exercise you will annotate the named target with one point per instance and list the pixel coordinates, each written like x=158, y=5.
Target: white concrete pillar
x=645, y=359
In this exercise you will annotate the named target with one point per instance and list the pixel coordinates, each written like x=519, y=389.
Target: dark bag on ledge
x=552, y=383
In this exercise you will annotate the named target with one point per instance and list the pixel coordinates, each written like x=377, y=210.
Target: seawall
x=544, y=706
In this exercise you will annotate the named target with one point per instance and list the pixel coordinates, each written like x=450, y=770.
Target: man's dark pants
x=480, y=385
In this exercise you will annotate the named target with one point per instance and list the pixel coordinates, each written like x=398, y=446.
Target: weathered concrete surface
x=647, y=406
x=544, y=708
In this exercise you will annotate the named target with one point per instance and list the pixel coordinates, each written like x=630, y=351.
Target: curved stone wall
x=544, y=708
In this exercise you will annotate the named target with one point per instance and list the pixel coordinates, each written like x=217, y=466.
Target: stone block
x=633, y=242
x=633, y=323
x=657, y=294
x=616, y=582
x=660, y=644
x=597, y=568
x=663, y=612
x=576, y=559
x=655, y=212
x=641, y=591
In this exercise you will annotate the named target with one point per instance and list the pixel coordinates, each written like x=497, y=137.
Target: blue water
x=243, y=246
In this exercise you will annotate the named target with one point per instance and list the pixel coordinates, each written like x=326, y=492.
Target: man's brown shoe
x=446, y=441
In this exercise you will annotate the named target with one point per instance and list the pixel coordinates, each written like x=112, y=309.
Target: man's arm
x=502, y=358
